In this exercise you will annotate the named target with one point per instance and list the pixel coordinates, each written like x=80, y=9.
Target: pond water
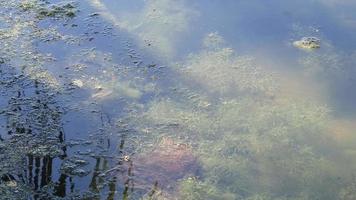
x=177, y=99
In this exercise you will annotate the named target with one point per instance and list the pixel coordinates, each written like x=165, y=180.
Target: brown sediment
x=162, y=167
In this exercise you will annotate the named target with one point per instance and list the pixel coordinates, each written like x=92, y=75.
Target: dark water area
x=172, y=99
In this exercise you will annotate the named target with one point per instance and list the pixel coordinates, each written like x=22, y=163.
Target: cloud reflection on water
x=158, y=26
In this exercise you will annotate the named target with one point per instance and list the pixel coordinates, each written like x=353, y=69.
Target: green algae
x=252, y=142
x=232, y=154
x=18, y=42
x=249, y=147
x=220, y=70
x=32, y=117
x=44, y=9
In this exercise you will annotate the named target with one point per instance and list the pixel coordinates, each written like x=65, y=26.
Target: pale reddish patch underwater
x=162, y=167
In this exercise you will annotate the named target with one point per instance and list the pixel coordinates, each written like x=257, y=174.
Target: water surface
x=172, y=99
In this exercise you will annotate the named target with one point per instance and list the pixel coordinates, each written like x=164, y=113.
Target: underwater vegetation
x=328, y=66
x=220, y=70
x=87, y=124
x=248, y=147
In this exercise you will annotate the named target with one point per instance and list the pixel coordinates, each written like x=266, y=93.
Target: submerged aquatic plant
x=249, y=146
x=220, y=70
x=248, y=140
x=244, y=144
x=325, y=65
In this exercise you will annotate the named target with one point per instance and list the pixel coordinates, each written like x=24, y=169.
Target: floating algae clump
x=31, y=117
x=45, y=9
x=307, y=43
x=59, y=11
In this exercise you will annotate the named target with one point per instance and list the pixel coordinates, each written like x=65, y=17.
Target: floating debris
x=307, y=43
x=9, y=180
x=94, y=14
x=126, y=158
x=73, y=167
x=78, y=83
